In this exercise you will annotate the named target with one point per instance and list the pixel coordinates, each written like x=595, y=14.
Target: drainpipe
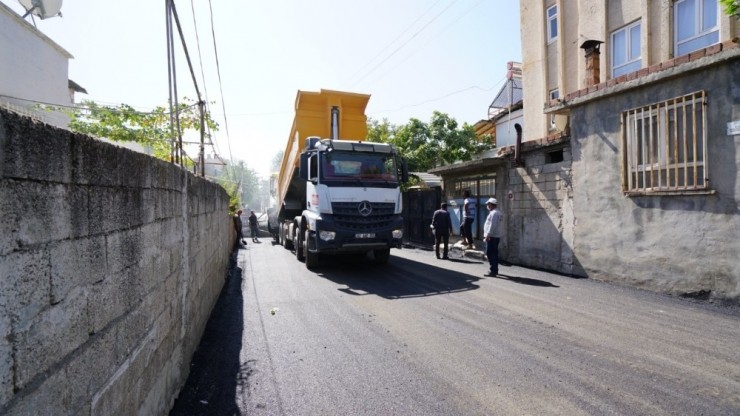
x=518, y=148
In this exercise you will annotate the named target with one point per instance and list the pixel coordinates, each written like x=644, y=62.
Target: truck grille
x=347, y=215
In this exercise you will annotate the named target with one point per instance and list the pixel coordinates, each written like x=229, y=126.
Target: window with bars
x=664, y=146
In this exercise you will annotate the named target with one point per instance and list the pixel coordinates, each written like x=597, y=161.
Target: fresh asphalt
x=421, y=336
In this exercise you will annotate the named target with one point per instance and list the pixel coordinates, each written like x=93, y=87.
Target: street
x=422, y=336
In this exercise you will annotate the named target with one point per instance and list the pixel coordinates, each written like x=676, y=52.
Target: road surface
x=421, y=336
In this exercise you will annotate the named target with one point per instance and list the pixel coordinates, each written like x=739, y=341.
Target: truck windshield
x=341, y=166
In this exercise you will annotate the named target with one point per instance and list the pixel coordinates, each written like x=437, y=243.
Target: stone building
x=648, y=94
x=626, y=166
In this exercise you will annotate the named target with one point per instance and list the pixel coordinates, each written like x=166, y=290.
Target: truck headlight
x=327, y=235
x=397, y=234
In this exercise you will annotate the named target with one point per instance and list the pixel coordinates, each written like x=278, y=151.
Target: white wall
x=32, y=67
x=505, y=132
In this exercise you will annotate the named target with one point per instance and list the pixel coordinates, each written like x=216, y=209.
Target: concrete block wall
x=110, y=264
x=541, y=223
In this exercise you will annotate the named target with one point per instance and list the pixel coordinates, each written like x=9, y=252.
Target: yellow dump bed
x=313, y=118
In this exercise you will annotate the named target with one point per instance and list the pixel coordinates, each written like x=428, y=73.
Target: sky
x=413, y=57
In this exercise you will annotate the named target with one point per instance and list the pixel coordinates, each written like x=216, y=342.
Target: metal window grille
x=664, y=146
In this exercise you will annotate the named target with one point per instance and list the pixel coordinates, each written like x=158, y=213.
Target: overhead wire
x=396, y=38
x=428, y=41
x=203, y=76
x=405, y=43
x=431, y=100
x=220, y=83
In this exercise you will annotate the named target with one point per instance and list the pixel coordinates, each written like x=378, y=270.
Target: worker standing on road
x=238, y=227
x=468, y=218
x=253, y=226
x=442, y=226
x=493, y=230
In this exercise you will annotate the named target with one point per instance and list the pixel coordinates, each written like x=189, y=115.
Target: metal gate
x=419, y=205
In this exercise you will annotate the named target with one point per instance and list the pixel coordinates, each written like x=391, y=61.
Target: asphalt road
x=422, y=336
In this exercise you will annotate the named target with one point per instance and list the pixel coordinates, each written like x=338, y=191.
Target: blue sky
x=412, y=56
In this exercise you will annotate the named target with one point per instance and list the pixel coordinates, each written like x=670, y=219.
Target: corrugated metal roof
x=511, y=93
x=428, y=179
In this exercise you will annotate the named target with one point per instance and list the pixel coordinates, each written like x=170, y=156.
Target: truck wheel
x=312, y=259
x=286, y=242
x=298, y=245
x=381, y=256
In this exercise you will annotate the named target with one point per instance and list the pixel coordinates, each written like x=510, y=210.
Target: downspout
x=518, y=148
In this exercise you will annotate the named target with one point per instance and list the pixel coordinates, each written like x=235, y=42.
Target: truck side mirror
x=303, y=169
x=404, y=171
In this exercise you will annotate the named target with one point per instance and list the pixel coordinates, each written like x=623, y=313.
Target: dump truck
x=336, y=193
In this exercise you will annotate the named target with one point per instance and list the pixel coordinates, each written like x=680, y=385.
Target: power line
x=202, y=74
x=397, y=38
x=428, y=41
x=220, y=83
x=405, y=43
x=431, y=100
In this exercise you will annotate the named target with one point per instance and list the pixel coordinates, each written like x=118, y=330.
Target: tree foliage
x=242, y=184
x=732, y=7
x=124, y=123
x=439, y=142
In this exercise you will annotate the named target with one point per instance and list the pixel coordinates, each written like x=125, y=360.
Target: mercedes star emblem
x=365, y=208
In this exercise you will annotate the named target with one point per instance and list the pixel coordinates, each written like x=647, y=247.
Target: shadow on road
x=527, y=281
x=215, y=373
x=400, y=278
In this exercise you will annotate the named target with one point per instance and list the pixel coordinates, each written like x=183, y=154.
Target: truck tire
x=381, y=256
x=312, y=259
x=286, y=242
x=298, y=244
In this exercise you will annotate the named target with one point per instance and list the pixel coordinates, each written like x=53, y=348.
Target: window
x=552, y=23
x=626, y=50
x=664, y=146
x=696, y=25
x=554, y=95
x=556, y=156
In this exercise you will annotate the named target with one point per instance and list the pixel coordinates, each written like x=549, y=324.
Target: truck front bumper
x=354, y=240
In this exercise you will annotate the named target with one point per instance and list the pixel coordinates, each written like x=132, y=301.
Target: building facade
x=648, y=95
x=33, y=70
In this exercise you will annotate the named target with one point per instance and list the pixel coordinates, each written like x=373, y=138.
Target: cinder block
x=44, y=212
x=50, y=337
x=123, y=249
x=95, y=161
x=34, y=150
x=114, y=208
x=114, y=297
x=133, y=169
x=76, y=263
x=6, y=360
x=24, y=286
x=92, y=366
x=49, y=398
x=113, y=397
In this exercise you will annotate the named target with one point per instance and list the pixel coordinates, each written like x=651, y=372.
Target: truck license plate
x=365, y=235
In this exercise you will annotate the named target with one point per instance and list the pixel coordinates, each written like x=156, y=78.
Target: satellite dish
x=561, y=121
x=42, y=8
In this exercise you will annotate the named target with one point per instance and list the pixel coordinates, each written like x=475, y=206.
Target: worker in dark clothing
x=442, y=228
x=238, y=228
x=253, y=226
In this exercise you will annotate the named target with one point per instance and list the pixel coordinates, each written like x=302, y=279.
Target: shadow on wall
x=215, y=372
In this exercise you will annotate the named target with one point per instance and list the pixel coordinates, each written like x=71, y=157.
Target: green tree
x=124, y=123
x=380, y=131
x=426, y=145
x=242, y=184
x=731, y=7
x=277, y=160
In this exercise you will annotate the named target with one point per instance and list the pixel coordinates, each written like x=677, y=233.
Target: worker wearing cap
x=493, y=230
